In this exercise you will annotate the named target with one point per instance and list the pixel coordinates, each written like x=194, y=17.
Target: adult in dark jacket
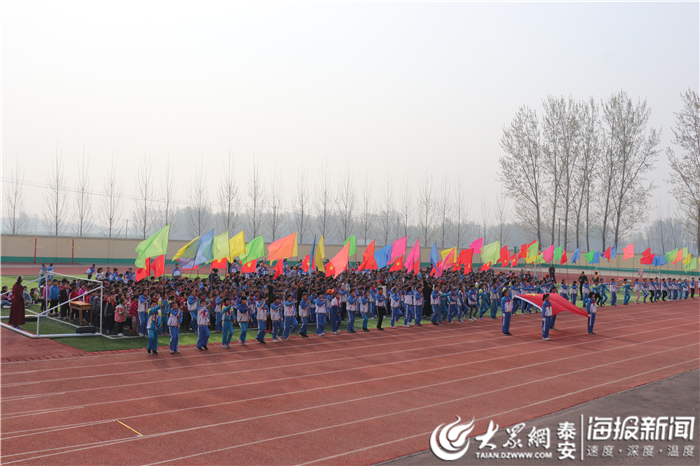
x=17, y=307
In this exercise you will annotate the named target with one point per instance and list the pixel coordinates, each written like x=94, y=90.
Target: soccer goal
x=76, y=317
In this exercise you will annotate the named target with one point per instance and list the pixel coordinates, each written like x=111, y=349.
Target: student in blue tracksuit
x=153, y=325
x=435, y=305
x=192, y=306
x=484, y=303
x=613, y=292
x=244, y=317
x=574, y=292
x=364, y=310
x=408, y=302
x=494, y=300
x=546, y=317
x=321, y=315
x=472, y=303
x=352, y=309
x=290, y=322
x=591, y=309
x=261, y=311
x=335, y=313
x=304, y=315
x=276, y=318
x=417, y=307
x=395, y=303
x=218, y=311
x=202, y=324
x=380, y=301
x=626, y=288
x=506, y=309
x=143, y=314
x=174, y=322
x=228, y=316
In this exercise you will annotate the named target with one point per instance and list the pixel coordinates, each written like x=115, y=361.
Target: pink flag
x=447, y=263
x=548, y=254
x=629, y=252
x=413, y=256
x=398, y=248
x=476, y=245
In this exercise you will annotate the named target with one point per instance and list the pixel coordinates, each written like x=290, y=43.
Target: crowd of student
x=298, y=303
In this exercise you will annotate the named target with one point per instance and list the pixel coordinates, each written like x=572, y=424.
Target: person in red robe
x=17, y=308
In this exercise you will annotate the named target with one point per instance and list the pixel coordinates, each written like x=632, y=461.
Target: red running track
x=346, y=399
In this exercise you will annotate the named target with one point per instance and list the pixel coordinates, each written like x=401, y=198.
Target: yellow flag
x=446, y=252
x=184, y=249
x=686, y=261
x=236, y=246
x=320, y=255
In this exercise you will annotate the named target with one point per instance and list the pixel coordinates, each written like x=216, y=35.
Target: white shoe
x=120, y=334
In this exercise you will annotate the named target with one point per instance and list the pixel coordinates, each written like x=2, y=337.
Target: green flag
x=491, y=252
x=540, y=259
x=691, y=265
x=155, y=246
x=219, y=248
x=353, y=245
x=557, y=254
x=254, y=250
x=672, y=256
x=590, y=255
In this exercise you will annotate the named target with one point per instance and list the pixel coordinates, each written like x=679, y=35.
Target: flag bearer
x=591, y=309
x=506, y=308
x=202, y=323
x=546, y=317
x=152, y=325
x=228, y=317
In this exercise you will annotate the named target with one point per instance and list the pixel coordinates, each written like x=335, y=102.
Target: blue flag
x=576, y=256
x=383, y=256
x=204, y=251
x=659, y=260
x=613, y=252
x=311, y=257
x=434, y=257
x=596, y=258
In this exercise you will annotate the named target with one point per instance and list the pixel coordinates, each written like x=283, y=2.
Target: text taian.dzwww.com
x=521, y=455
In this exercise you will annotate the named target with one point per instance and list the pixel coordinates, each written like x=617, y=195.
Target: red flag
x=416, y=267
x=563, y=257
x=447, y=261
x=249, y=267
x=279, y=269
x=340, y=260
x=144, y=272
x=486, y=266
x=305, y=263
x=368, y=262
x=455, y=266
x=221, y=264
x=647, y=259
x=679, y=258
x=558, y=303
x=158, y=266
x=468, y=267
x=629, y=252
x=523, y=252
x=515, y=261
x=397, y=266
x=505, y=257
x=330, y=269
x=465, y=256
x=606, y=254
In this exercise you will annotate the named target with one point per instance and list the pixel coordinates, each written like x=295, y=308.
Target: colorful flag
x=540, y=258
x=563, y=257
x=383, y=256
x=279, y=268
x=330, y=269
x=532, y=252
x=413, y=256
x=189, y=250
x=477, y=245
x=491, y=252
x=236, y=246
x=398, y=248
x=339, y=263
x=255, y=249
x=691, y=265
x=283, y=248
x=465, y=257
x=557, y=254
x=353, y=244
x=606, y=254
x=486, y=266
x=576, y=256
x=647, y=258
x=155, y=245
x=628, y=252
x=504, y=257
x=558, y=303
x=613, y=251
x=589, y=256
x=220, y=264
x=313, y=251
x=145, y=271
x=448, y=261
x=659, y=260
x=687, y=259
x=445, y=252
x=548, y=254
x=320, y=255
x=305, y=263
x=368, y=262
x=249, y=267
x=397, y=265
x=205, y=250
x=434, y=258
x=671, y=255
x=220, y=248
x=681, y=254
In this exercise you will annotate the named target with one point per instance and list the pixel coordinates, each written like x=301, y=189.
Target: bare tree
x=425, y=207
x=633, y=153
x=144, y=215
x=199, y=212
x=167, y=211
x=387, y=213
x=367, y=209
x=56, y=197
x=461, y=212
x=276, y=214
x=686, y=174
x=83, y=200
x=485, y=215
x=444, y=210
x=301, y=206
x=256, y=197
x=111, y=204
x=406, y=206
x=502, y=230
x=16, y=217
x=586, y=169
x=345, y=205
x=229, y=198
x=324, y=198
x=522, y=168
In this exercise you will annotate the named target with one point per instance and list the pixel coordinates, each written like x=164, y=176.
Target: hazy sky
x=401, y=90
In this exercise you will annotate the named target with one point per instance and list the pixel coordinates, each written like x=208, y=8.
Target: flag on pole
x=398, y=248
x=686, y=260
x=220, y=264
x=255, y=249
x=532, y=252
x=606, y=254
x=220, y=247
x=236, y=246
x=681, y=254
x=628, y=252
x=305, y=263
x=188, y=251
x=397, y=265
x=279, y=268
x=504, y=256
x=691, y=265
x=434, y=258
x=320, y=255
x=647, y=258
x=313, y=251
x=339, y=263
x=249, y=267
x=413, y=256
x=383, y=256
x=155, y=245
x=557, y=254
x=477, y=245
x=491, y=252
x=283, y=248
x=205, y=251
x=465, y=257
x=353, y=244
x=448, y=261
x=659, y=260
x=445, y=252
x=671, y=255
x=145, y=271
x=486, y=266
x=368, y=262
x=548, y=254
x=576, y=256
x=563, y=257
